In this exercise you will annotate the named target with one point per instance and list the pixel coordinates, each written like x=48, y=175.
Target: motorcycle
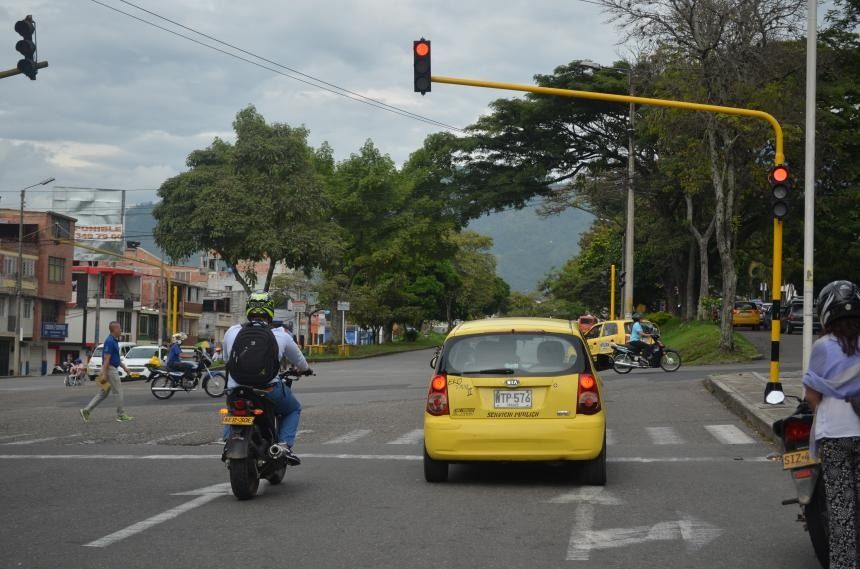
x=75, y=376
x=625, y=358
x=164, y=384
x=805, y=471
x=62, y=369
x=250, y=449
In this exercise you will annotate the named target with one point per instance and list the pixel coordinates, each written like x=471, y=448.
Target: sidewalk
x=743, y=394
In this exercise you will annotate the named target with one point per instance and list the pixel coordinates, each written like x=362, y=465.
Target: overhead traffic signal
x=421, y=65
x=26, y=28
x=780, y=185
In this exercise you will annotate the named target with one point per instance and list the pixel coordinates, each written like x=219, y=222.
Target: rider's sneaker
x=124, y=418
x=85, y=415
x=289, y=455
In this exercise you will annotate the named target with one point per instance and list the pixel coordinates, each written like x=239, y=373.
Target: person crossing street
x=109, y=376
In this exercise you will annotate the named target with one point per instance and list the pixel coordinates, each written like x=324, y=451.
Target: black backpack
x=254, y=357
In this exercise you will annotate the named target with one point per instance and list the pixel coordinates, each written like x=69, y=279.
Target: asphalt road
x=689, y=485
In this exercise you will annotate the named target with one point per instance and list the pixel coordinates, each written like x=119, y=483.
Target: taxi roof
x=515, y=324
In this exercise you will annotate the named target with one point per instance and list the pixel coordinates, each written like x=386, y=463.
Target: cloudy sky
x=122, y=103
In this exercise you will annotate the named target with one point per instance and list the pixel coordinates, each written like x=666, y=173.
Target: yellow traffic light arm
x=777, y=129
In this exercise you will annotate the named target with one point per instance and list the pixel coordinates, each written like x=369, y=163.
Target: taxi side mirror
x=602, y=362
x=435, y=359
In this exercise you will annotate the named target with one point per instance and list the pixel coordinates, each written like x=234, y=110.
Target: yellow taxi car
x=515, y=389
x=746, y=314
x=603, y=334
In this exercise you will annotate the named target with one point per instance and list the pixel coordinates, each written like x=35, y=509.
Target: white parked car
x=137, y=358
x=94, y=366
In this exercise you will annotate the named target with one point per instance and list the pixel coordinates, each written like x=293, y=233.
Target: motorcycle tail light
x=796, y=433
x=802, y=473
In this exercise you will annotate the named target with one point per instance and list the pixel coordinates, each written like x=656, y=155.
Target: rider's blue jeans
x=288, y=409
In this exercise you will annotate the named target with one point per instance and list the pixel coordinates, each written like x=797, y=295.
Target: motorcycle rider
x=261, y=307
x=174, y=361
x=636, y=334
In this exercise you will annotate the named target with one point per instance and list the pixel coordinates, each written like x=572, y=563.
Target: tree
x=258, y=199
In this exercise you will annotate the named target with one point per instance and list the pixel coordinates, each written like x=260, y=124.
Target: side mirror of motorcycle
x=773, y=394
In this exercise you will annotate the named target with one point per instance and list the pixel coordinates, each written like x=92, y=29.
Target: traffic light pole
x=779, y=158
x=13, y=72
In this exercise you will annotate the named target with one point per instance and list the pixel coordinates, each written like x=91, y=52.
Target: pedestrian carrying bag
x=254, y=356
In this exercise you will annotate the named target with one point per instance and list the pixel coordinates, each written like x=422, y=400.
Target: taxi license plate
x=797, y=459
x=513, y=399
x=238, y=420
x=135, y=375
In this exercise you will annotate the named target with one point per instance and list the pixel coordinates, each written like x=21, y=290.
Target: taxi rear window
x=521, y=353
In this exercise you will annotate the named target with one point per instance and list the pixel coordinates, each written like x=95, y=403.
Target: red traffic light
x=422, y=49
x=779, y=174
x=421, y=65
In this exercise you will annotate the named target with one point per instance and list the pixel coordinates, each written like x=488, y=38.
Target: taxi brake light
x=588, y=400
x=437, y=397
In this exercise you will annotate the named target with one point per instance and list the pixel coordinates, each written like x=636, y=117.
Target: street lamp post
x=19, y=330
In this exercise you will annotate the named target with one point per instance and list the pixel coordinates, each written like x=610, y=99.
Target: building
x=46, y=283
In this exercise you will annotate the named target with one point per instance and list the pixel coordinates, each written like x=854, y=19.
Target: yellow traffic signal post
x=612, y=292
x=774, y=384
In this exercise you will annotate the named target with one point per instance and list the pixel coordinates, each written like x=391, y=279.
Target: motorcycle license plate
x=797, y=459
x=238, y=420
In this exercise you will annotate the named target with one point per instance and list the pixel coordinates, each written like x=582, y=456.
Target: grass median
x=699, y=343
x=372, y=350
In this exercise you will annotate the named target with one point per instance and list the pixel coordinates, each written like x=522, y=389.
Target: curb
x=739, y=405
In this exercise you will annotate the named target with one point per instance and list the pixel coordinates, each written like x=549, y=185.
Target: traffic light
x=779, y=188
x=421, y=55
x=26, y=28
x=620, y=279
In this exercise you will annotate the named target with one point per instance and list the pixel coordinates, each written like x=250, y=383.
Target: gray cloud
x=122, y=104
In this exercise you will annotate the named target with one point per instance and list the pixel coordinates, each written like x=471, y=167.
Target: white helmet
x=179, y=337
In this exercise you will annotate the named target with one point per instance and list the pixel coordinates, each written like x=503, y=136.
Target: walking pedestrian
x=109, y=377
x=832, y=385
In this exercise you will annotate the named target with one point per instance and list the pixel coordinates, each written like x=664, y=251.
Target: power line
x=318, y=83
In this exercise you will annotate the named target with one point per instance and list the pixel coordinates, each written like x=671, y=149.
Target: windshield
x=141, y=353
x=98, y=352
x=526, y=354
x=745, y=306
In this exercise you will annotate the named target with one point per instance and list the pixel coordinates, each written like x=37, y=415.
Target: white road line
x=7, y=437
x=729, y=435
x=42, y=440
x=579, y=547
x=620, y=459
x=410, y=438
x=169, y=438
x=349, y=437
x=154, y=520
x=610, y=437
x=664, y=436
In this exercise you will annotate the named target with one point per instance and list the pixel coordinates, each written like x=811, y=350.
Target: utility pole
x=628, y=236
x=98, y=309
x=809, y=180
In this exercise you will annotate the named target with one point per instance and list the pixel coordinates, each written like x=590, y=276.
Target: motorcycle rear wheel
x=815, y=514
x=622, y=359
x=670, y=360
x=244, y=478
x=163, y=381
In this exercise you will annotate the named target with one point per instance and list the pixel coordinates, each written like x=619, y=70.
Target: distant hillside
x=527, y=246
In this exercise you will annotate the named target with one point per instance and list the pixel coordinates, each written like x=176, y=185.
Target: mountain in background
x=526, y=245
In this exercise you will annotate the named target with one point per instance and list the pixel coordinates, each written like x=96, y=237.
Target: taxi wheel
x=435, y=470
x=593, y=472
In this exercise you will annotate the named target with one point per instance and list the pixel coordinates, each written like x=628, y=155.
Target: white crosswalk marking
x=42, y=440
x=610, y=437
x=410, y=438
x=172, y=437
x=729, y=435
x=7, y=437
x=664, y=436
x=349, y=437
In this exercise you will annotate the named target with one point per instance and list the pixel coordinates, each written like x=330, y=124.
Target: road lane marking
x=42, y=440
x=204, y=496
x=610, y=437
x=729, y=435
x=587, y=495
x=169, y=438
x=583, y=538
x=7, y=437
x=618, y=459
x=664, y=436
x=349, y=437
x=410, y=438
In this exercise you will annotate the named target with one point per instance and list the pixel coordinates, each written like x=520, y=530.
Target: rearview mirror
x=435, y=359
x=602, y=362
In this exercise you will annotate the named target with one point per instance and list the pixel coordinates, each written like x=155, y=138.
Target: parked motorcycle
x=250, y=451
x=625, y=358
x=62, y=369
x=805, y=471
x=164, y=384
